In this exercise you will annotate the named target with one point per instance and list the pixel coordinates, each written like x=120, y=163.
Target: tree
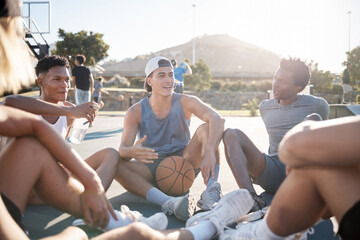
x=91, y=45
x=200, y=78
x=322, y=81
x=353, y=57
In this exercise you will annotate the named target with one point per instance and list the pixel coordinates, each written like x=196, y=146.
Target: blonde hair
x=16, y=68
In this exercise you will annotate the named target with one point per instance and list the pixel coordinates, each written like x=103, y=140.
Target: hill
x=226, y=56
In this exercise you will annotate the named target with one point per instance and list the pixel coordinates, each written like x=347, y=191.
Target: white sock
x=122, y=221
x=262, y=231
x=156, y=196
x=203, y=230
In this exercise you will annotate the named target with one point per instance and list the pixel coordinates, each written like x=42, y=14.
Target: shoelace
x=214, y=194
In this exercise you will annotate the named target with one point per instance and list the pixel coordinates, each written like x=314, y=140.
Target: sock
x=211, y=181
x=156, y=196
x=203, y=230
x=262, y=231
x=122, y=221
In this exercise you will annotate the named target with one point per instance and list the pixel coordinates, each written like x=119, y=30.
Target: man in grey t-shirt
x=287, y=109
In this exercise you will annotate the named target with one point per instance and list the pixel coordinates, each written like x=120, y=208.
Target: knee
x=313, y=117
x=112, y=155
x=232, y=136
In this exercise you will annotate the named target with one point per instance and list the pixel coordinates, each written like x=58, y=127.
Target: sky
x=318, y=30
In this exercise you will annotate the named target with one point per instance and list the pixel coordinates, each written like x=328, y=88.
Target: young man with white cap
x=162, y=123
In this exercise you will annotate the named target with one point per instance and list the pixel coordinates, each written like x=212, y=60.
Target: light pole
x=193, y=55
x=349, y=12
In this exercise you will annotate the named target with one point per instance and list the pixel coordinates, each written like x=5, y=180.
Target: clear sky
x=310, y=29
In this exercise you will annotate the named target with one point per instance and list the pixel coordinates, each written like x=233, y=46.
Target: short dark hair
x=80, y=58
x=44, y=64
x=300, y=70
x=147, y=87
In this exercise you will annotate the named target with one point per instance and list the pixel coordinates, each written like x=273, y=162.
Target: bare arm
x=91, y=83
x=328, y=143
x=17, y=123
x=40, y=107
x=188, y=69
x=193, y=105
x=128, y=149
x=74, y=83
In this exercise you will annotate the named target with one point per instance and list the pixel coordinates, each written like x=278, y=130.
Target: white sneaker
x=158, y=221
x=246, y=231
x=182, y=207
x=301, y=235
x=228, y=210
x=210, y=197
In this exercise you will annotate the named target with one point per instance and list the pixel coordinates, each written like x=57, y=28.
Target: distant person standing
x=83, y=81
x=346, y=83
x=184, y=68
x=98, y=90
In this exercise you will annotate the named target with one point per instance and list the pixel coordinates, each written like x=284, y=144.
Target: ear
x=40, y=81
x=148, y=80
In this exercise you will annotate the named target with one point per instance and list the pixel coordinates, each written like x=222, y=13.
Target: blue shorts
x=273, y=175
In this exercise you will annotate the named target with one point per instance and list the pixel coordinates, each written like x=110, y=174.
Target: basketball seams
x=175, y=184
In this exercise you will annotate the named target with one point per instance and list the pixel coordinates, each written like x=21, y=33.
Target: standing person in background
x=98, y=90
x=83, y=81
x=184, y=68
x=346, y=83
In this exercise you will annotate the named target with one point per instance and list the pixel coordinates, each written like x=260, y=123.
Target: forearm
x=67, y=156
x=330, y=143
x=216, y=129
x=35, y=106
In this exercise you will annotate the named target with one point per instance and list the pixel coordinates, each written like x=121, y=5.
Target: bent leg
x=243, y=157
x=20, y=173
x=198, y=141
x=105, y=163
x=135, y=177
x=307, y=193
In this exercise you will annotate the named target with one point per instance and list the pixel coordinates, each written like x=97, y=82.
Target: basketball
x=120, y=97
x=175, y=175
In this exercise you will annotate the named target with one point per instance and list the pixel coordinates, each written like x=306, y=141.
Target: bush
x=338, y=89
x=215, y=85
x=137, y=82
x=253, y=106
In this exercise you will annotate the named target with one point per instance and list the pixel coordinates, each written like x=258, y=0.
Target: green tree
x=322, y=81
x=354, y=58
x=91, y=45
x=200, y=79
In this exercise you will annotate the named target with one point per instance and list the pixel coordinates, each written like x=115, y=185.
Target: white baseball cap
x=155, y=63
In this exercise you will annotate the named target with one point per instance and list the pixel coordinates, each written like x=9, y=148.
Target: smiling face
x=284, y=88
x=162, y=81
x=55, y=84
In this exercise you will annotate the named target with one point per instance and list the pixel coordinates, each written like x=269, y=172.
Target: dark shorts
x=96, y=99
x=349, y=225
x=273, y=175
x=153, y=166
x=15, y=212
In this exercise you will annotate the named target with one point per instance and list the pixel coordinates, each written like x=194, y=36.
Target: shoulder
x=267, y=102
x=313, y=99
x=134, y=112
x=190, y=99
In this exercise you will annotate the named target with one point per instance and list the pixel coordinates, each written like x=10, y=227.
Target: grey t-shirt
x=279, y=119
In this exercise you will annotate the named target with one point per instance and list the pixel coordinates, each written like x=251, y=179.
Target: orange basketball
x=175, y=175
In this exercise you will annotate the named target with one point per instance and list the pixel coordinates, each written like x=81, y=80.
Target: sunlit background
x=310, y=29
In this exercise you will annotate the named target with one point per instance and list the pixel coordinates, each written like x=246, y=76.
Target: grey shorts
x=273, y=174
x=153, y=166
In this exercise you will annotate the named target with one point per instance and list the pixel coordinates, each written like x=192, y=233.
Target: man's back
x=82, y=77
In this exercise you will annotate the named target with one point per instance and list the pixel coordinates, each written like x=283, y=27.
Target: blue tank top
x=166, y=135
